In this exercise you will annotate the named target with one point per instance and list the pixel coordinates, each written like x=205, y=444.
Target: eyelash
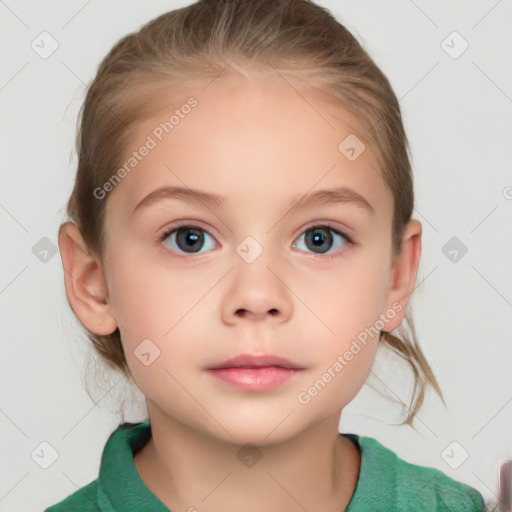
x=349, y=241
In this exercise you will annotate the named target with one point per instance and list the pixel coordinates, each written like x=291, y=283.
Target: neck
x=316, y=469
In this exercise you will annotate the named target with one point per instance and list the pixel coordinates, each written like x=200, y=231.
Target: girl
x=240, y=242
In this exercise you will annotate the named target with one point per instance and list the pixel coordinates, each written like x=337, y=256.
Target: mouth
x=254, y=373
x=248, y=361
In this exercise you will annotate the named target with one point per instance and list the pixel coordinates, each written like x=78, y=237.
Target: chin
x=267, y=430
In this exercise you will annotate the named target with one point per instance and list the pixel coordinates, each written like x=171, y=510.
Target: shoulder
x=422, y=488
x=85, y=500
x=118, y=482
x=409, y=487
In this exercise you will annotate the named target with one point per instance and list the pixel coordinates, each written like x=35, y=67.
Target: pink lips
x=256, y=373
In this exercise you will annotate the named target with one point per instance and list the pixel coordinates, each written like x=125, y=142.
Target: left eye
x=321, y=238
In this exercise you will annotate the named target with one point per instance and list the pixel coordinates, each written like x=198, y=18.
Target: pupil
x=318, y=237
x=191, y=235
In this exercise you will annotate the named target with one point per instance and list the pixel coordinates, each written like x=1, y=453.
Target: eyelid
x=343, y=230
x=189, y=224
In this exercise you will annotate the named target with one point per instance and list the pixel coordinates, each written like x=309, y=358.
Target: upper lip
x=250, y=361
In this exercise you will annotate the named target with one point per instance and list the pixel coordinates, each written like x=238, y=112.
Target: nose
x=257, y=291
x=247, y=313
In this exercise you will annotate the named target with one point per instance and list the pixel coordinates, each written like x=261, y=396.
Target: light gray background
x=458, y=116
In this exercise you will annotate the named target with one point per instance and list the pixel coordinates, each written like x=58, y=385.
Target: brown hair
x=199, y=42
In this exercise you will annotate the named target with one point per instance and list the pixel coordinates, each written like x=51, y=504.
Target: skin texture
x=258, y=143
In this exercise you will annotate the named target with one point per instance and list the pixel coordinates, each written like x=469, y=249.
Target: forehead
x=249, y=137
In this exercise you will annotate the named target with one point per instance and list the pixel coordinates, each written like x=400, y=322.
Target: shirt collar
x=118, y=472
x=119, y=481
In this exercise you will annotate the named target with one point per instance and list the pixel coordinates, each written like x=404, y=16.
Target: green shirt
x=385, y=483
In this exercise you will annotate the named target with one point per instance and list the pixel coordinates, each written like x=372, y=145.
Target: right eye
x=185, y=238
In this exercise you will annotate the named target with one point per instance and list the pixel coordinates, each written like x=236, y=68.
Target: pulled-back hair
x=199, y=42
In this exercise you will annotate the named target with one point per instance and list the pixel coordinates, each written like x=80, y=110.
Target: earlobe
x=404, y=272
x=84, y=280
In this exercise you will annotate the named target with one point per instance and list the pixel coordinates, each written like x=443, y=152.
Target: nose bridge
x=256, y=261
x=250, y=249
x=256, y=288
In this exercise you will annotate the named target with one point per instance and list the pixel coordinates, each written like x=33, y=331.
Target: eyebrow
x=338, y=195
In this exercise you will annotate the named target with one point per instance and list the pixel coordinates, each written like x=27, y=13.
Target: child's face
x=261, y=145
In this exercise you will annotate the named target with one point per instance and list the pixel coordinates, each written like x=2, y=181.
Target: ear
x=86, y=287
x=403, y=273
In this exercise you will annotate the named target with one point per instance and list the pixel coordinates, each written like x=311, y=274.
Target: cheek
x=146, y=301
x=157, y=318
x=343, y=360
x=349, y=298
x=348, y=303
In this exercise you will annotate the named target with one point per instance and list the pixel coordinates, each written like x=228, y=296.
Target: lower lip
x=257, y=379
